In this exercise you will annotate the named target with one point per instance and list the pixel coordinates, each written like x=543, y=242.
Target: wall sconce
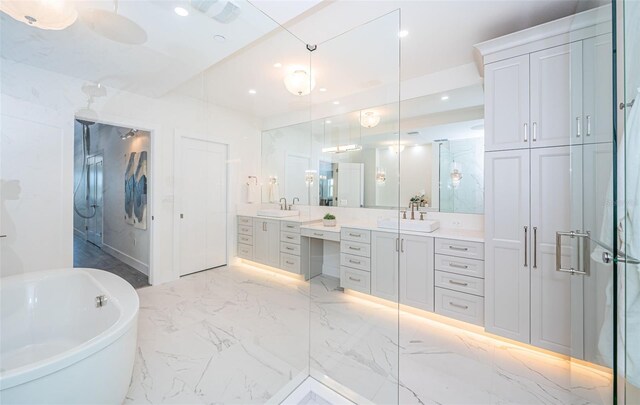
x=309, y=177
x=381, y=176
x=369, y=119
x=456, y=174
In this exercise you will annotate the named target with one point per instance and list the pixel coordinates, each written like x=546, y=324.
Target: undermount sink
x=274, y=213
x=415, y=225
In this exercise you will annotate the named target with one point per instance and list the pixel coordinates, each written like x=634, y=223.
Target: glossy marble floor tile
x=242, y=335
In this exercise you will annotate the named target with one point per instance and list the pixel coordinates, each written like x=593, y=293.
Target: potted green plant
x=329, y=220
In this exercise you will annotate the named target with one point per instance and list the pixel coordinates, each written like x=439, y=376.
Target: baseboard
x=125, y=258
x=78, y=232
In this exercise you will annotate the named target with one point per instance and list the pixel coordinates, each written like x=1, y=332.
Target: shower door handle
x=585, y=236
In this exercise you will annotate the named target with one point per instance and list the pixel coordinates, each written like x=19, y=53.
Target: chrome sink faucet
x=294, y=202
x=283, y=208
x=414, y=205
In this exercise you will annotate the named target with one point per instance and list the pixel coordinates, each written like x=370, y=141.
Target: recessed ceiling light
x=277, y=65
x=220, y=38
x=444, y=98
x=403, y=33
x=181, y=11
x=322, y=89
x=252, y=91
x=336, y=102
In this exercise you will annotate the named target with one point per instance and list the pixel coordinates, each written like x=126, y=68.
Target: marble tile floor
x=86, y=254
x=241, y=335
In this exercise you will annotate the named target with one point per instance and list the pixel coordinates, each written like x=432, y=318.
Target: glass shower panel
x=627, y=221
x=354, y=317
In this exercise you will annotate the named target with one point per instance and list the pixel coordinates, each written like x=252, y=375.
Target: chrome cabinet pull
x=526, y=230
x=354, y=279
x=534, y=128
x=402, y=245
x=397, y=245
x=355, y=235
x=535, y=247
x=460, y=248
x=526, y=132
x=354, y=248
x=458, y=283
x=355, y=261
x=290, y=237
x=586, y=249
x=288, y=262
x=459, y=266
x=318, y=234
x=453, y=304
x=289, y=248
x=588, y=125
x=578, y=127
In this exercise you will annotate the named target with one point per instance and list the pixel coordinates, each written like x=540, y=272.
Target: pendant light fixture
x=299, y=81
x=369, y=119
x=43, y=14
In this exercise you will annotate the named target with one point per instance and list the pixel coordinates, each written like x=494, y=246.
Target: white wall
x=128, y=243
x=36, y=147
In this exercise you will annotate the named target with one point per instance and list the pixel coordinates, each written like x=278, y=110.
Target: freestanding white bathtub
x=58, y=345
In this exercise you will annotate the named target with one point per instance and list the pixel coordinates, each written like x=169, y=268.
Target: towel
x=274, y=192
x=628, y=237
x=253, y=193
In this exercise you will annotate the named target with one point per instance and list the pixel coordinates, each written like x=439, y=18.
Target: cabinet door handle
x=397, y=244
x=526, y=231
x=588, y=125
x=535, y=247
x=453, y=304
x=290, y=237
x=459, y=266
x=318, y=234
x=355, y=261
x=402, y=245
x=460, y=248
x=354, y=248
x=458, y=283
x=289, y=248
x=534, y=128
x=354, y=279
x=355, y=235
x=288, y=262
x=526, y=132
x=578, y=127
x=290, y=226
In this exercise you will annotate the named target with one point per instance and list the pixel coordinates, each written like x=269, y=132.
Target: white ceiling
x=181, y=54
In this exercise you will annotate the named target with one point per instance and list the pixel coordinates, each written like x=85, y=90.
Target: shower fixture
x=86, y=148
x=129, y=134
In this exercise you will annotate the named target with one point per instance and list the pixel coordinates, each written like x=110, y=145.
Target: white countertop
x=300, y=219
x=319, y=227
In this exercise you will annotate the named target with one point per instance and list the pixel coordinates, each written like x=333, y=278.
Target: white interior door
x=202, y=205
x=95, y=194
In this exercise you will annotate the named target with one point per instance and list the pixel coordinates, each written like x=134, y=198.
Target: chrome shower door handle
x=586, y=248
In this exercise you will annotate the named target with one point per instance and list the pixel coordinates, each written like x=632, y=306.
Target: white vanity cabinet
x=403, y=263
x=355, y=259
x=245, y=238
x=266, y=241
x=290, y=247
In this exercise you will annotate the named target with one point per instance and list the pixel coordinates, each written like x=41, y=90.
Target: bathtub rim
x=119, y=292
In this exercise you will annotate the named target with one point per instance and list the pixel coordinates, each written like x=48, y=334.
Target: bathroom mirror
x=357, y=159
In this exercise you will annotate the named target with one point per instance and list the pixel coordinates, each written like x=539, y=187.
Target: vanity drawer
x=457, y=282
x=319, y=234
x=290, y=263
x=355, y=279
x=290, y=227
x=356, y=262
x=245, y=221
x=290, y=237
x=245, y=230
x=355, y=248
x=245, y=239
x=465, y=307
x=245, y=251
x=460, y=248
x=460, y=265
x=355, y=235
x=290, y=248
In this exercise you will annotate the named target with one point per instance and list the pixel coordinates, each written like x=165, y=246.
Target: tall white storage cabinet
x=546, y=109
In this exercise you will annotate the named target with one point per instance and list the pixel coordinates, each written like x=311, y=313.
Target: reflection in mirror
x=356, y=159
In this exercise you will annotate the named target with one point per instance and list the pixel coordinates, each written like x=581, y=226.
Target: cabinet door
x=260, y=242
x=384, y=265
x=597, y=89
x=556, y=297
x=416, y=271
x=507, y=104
x=507, y=244
x=272, y=232
x=551, y=97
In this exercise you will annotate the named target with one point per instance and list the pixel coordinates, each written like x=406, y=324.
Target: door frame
x=178, y=137
x=116, y=121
